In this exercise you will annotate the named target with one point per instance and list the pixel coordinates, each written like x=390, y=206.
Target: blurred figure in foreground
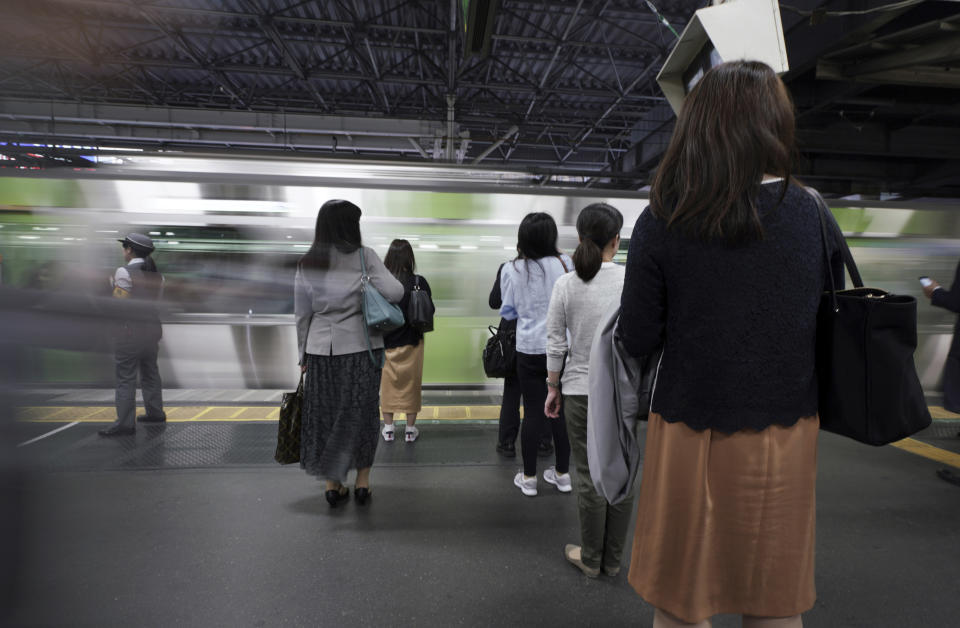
x=341, y=358
x=402, y=379
x=137, y=342
x=726, y=513
x=949, y=300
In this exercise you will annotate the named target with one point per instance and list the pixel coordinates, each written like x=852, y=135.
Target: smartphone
x=925, y=281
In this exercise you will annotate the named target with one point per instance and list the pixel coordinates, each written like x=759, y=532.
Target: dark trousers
x=532, y=373
x=510, y=410
x=510, y=415
x=951, y=382
x=133, y=357
x=603, y=526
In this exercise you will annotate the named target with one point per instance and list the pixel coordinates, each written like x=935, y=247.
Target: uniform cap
x=138, y=240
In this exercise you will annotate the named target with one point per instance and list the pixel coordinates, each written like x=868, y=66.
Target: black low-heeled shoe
x=335, y=496
x=362, y=494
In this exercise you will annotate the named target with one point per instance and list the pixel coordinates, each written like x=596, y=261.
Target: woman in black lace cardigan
x=725, y=270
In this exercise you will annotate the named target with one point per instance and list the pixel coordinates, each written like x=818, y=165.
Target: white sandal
x=387, y=432
x=411, y=434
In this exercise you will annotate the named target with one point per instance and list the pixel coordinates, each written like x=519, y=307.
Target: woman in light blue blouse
x=526, y=284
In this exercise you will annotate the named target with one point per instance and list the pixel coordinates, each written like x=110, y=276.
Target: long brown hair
x=736, y=125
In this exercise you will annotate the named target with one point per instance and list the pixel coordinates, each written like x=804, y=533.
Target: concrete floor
x=115, y=538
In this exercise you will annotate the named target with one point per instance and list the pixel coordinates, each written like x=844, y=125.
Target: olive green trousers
x=603, y=526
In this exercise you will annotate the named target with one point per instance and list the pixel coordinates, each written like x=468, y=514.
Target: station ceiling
x=563, y=89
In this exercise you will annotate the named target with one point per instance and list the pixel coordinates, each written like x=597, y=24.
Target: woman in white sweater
x=579, y=301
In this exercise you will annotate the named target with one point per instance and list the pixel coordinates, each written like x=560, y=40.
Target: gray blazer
x=328, y=303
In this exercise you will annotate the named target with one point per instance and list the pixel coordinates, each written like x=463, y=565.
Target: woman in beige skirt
x=725, y=271
x=400, y=384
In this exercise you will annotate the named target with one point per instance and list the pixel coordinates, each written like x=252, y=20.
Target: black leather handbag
x=288, y=432
x=868, y=384
x=420, y=309
x=500, y=354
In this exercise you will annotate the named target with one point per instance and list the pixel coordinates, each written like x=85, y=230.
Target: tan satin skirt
x=726, y=522
x=402, y=379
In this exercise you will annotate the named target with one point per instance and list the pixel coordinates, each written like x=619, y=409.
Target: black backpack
x=420, y=310
x=500, y=354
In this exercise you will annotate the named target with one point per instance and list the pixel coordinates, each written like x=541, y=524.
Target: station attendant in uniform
x=137, y=337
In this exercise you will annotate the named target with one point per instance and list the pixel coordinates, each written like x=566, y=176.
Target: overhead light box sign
x=734, y=30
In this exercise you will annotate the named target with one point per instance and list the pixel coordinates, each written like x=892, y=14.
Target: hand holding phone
x=925, y=281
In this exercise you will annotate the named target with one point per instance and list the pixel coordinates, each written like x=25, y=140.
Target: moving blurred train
x=230, y=231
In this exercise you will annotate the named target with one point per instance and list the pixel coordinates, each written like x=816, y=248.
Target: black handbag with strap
x=288, y=431
x=420, y=309
x=868, y=384
x=500, y=354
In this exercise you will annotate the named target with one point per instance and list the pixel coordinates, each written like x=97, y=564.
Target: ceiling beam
x=878, y=140
x=933, y=53
x=616, y=103
x=169, y=117
x=180, y=41
x=266, y=25
x=928, y=76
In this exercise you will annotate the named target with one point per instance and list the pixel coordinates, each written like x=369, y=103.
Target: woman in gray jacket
x=578, y=303
x=341, y=386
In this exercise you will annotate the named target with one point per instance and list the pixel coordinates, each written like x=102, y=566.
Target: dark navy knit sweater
x=737, y=323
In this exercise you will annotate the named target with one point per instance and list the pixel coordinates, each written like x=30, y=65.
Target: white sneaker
x=411, y=434
x=528, y=486
x=560, y=480
x=387, y=432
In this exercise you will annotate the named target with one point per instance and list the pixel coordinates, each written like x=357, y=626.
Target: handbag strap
x=848, y=261
x=363, y=267
x=416, y=281
x=306, y=339
x=364, y=280
x=562, y=263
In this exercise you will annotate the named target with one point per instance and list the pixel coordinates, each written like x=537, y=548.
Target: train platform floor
x=191, y=523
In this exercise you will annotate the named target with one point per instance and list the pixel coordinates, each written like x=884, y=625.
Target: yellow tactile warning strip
x=235, y=414
x=942, y=413
x=239, y=414
x=929, y=451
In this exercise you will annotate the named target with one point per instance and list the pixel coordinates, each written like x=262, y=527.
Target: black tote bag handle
x=848, y=262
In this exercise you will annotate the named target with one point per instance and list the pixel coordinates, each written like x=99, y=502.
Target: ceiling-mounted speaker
x=728, y=31
x=480, y=18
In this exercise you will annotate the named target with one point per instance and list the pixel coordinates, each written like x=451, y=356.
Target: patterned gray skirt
x=341, y=414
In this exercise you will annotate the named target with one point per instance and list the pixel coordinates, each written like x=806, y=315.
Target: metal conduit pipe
x=246, y=121
x=495, y=145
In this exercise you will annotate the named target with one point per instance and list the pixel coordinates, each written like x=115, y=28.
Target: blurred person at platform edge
x=400, y=384
x=137, y=339
x=725, y=270
x=579, y=301
x=949, y=300
x=340, y=361
x=526, y=284
x=509, y=423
